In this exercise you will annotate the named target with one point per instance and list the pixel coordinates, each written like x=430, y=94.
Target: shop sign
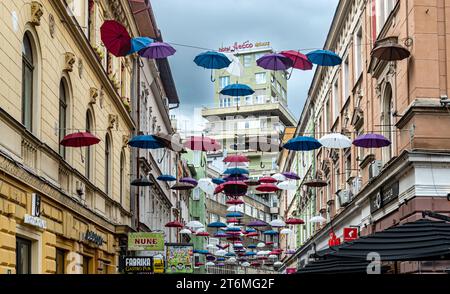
x=92, y=237
x=350, y=234
x=136, y=264
x=144, y=241
x=384, y=196
x=179, y=258
x=35, y=205
x=35, y=221
x=158, y=265
x=243, y=46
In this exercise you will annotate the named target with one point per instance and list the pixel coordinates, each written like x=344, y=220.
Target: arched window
x=62, y=115
x=107, y=164
x=28, y=75
x=88, y=155
x=388, y=122
x=122, y=177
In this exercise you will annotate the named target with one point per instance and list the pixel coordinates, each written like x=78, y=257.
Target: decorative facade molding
x=69, y=61
x=36, y=13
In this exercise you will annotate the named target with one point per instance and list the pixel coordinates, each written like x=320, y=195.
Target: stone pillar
x=48, y=253
x=7, y=245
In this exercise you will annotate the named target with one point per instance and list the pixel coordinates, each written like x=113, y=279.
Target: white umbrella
x=335, y=141
x=210, y=246
x=285, y=232
x=273, y=257
x=195, y=225
x=235, y=68
x=261, y=253
x=186, y=231
x=278, y=223
x=231, y=260
x=206, y=185
x=279, y=177
x=201, y=230
x=210, y=263
x=235, y=208
x=221, y=252
x=317, y=219
x=288, y=186
x=278, y=263
x=245, y=264
x=261, y=245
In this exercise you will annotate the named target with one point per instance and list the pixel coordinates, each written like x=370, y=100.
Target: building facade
x=406, y=101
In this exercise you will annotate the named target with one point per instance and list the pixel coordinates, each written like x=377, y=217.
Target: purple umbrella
x=371, y=141
x=275, y=61
x=291, y=175
x=157, y=50
x=189, y=181
x=257, y=223
x=236, y=178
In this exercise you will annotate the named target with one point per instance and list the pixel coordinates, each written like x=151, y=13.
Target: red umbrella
x=267, y=180
x=202, y=144
x=235, y=188
x=300, y=60
x=294, y=221
x=234, y=201
x=116, y=38
x=267, y=188
x=232, y=220
x=202, y=234
x=198, y=264
x=275, y=252
x=174, y=224
x=236, y=158
x=81, y=139
x=269, y=243
x=252, y=234
x=251, y=182
x=219, y=189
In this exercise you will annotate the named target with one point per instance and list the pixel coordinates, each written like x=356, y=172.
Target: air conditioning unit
x=345, y=196
x=356, y=185
x=375, y=168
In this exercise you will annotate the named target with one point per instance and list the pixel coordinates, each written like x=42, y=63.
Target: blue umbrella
x=302, y=144
x=145, y=142
x=234, y=214
x=233, y=229
x=250, y=230
x=237, y=90
x=166, y=178
x=199, y=251
x=230, y=254
x=250, y=253
x=252, y=246
x=324, y=58
x=270, y=232
x=218, y=181
x=139, y=43
x=217, y=225
x=220, y=259
x=236, y=171
x=212, y=60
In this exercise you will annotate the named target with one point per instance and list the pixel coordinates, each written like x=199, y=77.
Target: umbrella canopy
x=279, y=177
x=142, y=182
x=236, y=158
x=234, y=214
x=235, y=68
x=285, y=232
x=166, y=178
x=335, y=141
x=233, y=229
x=116, y=38
x=267, y=180
x=210, y=263
x=212, y=60
x=260, y=245
x=174, y=224
x=206, y=185
x=267, y=188
x=182, y=186
x=257, y=223
x=171, y=142
x=391, y=52
x=316, y=183
x=302, y=144
x=250, y=230
x=317, y=219
x=235, y=201
x=252, y=182
x=277, y=223
x=371, y=141
x=199, y=264
x=237, y=90
x=236, y=171
x=202, y=234
x=195, y=225
x=274, y=61
x=235, y=208
x=245, y=264
x=186, y=231
x=252, y=246
x=220, y=234
x=270, y=232
x=221, y=252
x=219, y=189
x=217, y=225
x=157, y=50
x=145, y=142
x=80, y=139
x=236, y=178
x=139, y=43
x=288, y=186
x=201, y=143
x=235, y=188
x=324, y=58
x=291, y=175
x=191, y=181
x=295, y=221
x=278, y=264
x=300, y=61
x=230, y=254
x=250, y=253
x=218, y=181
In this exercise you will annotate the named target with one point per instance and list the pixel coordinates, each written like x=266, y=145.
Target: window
x=196, y=194
x=225, y=102
x=88, y=150
x=62, y=116
x=86, y=265
x=60, y=261
x=197, y=158
x=259, y=55
x=336, y=109
x=28, y=67
x=236, y=101
x=327, y=115
x=358, y=49
x=122, y=177
x=383, y=10
x=224, y=81
x=345, y=81
x=249, y=100
x=247, y=124
x=387, y=122
x=348, y=169
x=248, y=59
x=260, y=78
x=107, y=164
x=23, y=256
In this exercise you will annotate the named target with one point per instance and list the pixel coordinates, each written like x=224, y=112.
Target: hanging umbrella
x=267, y=188
x=145, y=142
x=317, y=219
x=186, y=232
x=273, y=256
x=252, y=182
x=206, y=185
x=178, y=186
x=171, y=142
x=235, y=188
x=371, y=141
x=218, y=181
x=139, y=43
x=202, y=234
x=235, y=178
x=257, y=223
x=174, y=224
x=234, y=208
x=245, y=264
x=316, y=183
x=252, y=246
x=261, y=245
x=166, y=178
x=250, y=253
x=219, y=189
x=210, y=263
x=300, y=61
x=217, y=225
x=285, y=232
x=199, y=264
x=391, y=52
x=277, y=223
x=235, y=201
x=210, y=246
x=291, y=175
x=302, y=144
x=269, y=243
x=220, y=234
x=237, y=90
x=335, y=141
x=189, y=181
x=157, y=50
x=195, y=225
x=295, y=221
x=142, y=182
x=80, y=139
x=267, y=180
x=212, y=60
x=288, y=186
x=279, y=177
x=234, y=214
x=324, y=58
x=250, y=230
x=274, y=61
x=221, y=252
x=235, y=68
x=236, y=159
x=201, y=143
x=270, y=233
x=278, y=264
x=116, y=38
x=236, y=171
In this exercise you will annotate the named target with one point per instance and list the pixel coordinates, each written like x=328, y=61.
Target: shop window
x=86, y=265
x=23, y=256
x=28, y=75
x=60, y=261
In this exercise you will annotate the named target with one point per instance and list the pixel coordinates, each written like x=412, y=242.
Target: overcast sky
x=287, y=24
